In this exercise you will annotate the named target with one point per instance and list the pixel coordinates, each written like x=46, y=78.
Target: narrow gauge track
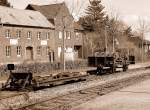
x=74, y=97
x=116, y=74
x=68, y=101
x=88, y=78
x=11, y=95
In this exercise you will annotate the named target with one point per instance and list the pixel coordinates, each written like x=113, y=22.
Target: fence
x=40, y=68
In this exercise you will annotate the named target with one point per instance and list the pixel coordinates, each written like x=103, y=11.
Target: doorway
x=29, y=53
x=78, y=49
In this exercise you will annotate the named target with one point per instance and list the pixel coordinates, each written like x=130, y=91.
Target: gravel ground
x=89, y=92
x=33, y=97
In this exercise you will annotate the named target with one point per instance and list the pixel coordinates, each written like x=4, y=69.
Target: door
x=29, y=53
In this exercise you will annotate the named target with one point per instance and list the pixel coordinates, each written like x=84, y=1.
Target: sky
x=132, y=10
x=128, y=10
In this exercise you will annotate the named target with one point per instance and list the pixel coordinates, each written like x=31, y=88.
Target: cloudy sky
x=132, y=10
x=128, y=10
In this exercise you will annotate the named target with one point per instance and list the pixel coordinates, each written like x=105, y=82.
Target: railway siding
x=68, y=101
x=30, y=98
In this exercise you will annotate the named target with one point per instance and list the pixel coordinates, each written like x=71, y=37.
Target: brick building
x=26, y=36
x=80, y=37
x=59, y=15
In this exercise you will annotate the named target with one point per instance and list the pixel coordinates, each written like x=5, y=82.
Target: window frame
x=39, y=35
x=29, y=35
x=7, y=33
x=77, y=34
x=47, y=35
x=8, y=51
x=19, y=51
x=18, y=34
x=68, y=35
x=60, y=35
x=39, y=50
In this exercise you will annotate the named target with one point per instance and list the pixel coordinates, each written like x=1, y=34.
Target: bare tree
x=143, y=29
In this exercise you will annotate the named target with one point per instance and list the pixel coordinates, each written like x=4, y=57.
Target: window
x=77, y=35
x=39, y=35
x=18, y=50
x=47, y=35
x=29, y=35
x=60, y=35
x=18, y=33
x=59, y=51
x=7, y=33
x=68, y=35
x=47, y=50
x=39, y=50
x=8, y=51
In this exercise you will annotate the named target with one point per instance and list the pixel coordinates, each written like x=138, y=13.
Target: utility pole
x=63, y=44
x=142, y=46
x=105, y=41
x=63, y=50
x=113, y=44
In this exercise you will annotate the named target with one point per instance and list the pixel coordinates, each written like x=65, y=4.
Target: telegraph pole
x=142, y=45
x=113, y=44
x=105, y=41
x=63, y=44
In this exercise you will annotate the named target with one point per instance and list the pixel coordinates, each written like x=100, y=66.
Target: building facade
x=79, y=46
x=26, y=36
x=59, y=15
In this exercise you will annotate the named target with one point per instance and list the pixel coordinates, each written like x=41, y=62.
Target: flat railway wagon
x=106, y=64
x=27, y=81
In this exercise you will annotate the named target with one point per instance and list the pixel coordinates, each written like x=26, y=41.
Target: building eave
x=25, y=26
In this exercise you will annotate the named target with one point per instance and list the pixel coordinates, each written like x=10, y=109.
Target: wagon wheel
x=125, y=67
x=113, y=68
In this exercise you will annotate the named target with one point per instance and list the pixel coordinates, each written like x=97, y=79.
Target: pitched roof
x=51, y=10
x=23, y=17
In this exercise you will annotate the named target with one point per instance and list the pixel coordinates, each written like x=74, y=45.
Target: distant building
x=26, y=36
x=80, y=38
x=59, y=15
x=139, y=46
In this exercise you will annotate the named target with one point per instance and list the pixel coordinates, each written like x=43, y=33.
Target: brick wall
x=25, y=42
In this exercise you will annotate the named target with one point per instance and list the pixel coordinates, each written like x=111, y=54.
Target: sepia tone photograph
x=74, y=55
